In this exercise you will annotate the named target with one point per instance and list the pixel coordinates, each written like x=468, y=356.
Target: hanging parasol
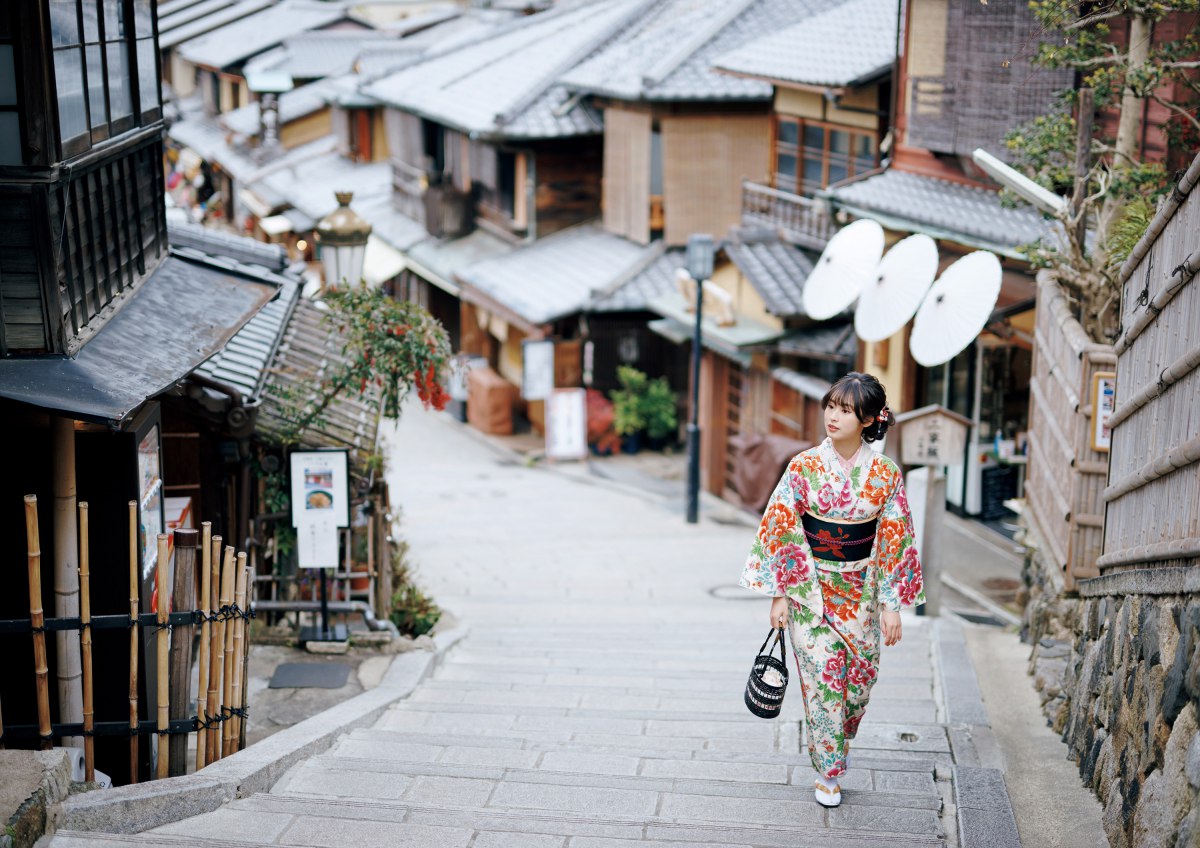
x=846, y=265
x=956, y=309
x=901, y=280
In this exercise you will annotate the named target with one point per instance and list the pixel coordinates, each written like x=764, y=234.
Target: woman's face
x=841, y=424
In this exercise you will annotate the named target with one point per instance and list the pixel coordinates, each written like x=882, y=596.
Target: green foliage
x=643, y=404
x=659, y=409
x=627, y=401
x=390, y=347
x=413, y=612
x=1129, y=228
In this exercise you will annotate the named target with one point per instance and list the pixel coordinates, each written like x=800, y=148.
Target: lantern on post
x=342, y=238
x=700, y=250
x=931, y=436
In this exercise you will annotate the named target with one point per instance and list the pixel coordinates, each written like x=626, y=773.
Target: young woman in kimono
x=835, y=550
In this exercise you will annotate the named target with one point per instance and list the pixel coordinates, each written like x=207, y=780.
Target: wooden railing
x=1066, y=475
x=408, y=190
x=801, y=220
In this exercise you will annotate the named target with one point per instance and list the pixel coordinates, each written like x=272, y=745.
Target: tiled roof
x=212, y=143
x=249, y=36
x=309, y=184
x=243, y=362
x=181, y=32
x=172, y=18
x=246, y=250
x=555, y=276
x=669, y=52
x=293, y=105
x=775, y=269
x=504, y=84
x=821, y=340
x=391, y=225
x=845, y=45
x=655, y=278
x=953, y=211
x=315, y=55
x=440, y=260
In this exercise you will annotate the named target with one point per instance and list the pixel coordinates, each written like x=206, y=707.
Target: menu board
x=320, y=505
x=150, y=498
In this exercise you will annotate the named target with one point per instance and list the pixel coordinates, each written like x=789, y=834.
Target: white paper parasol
x=846, y=265
x=887, y=303
x=956, y=308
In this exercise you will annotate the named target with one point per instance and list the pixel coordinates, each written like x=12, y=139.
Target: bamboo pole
x=164, y=698
x=64, y=569
x=244, y=699
x=215, y=656
x=226, y=650
x=85, y=646
x=205, y=627
x=38, y=619
x=183, y=597
x=239, y=662
x=133, y=642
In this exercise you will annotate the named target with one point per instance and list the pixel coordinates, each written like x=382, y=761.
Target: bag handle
x=777, y=632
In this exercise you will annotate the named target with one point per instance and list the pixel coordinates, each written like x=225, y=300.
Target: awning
x=679, y=333
x=744, y=333
x=275, y=225
x=179, y=317
x=382, y=261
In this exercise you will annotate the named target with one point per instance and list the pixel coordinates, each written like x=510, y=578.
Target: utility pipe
x=66, y=576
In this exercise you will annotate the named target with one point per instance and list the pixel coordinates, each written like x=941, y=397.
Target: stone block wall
x=1118, y=670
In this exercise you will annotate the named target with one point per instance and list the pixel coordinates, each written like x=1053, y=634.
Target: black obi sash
x=833, y=540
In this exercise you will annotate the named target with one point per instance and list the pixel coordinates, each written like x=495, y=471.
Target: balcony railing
x=801, y=220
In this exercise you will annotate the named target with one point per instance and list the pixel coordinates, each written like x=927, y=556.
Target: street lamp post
x=699, y=268
x=342, y=237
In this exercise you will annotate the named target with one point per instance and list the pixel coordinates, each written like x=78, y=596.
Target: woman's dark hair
x=865, y=395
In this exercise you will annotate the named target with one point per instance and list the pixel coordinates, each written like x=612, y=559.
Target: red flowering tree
x=389, y=349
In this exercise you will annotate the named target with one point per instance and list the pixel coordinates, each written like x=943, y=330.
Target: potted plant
x=628, y=418
x=659, y=411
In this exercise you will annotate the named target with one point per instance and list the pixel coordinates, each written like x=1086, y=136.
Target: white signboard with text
x=320, y=505
x=566, y=424
x=537, y=374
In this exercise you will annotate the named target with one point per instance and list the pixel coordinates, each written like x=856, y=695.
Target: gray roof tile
x=631, y=66
x=775, y=269
x=504, y=83
x=194, y=29
x=653, y=280
x=847, y=44
x=319, y=54
x=967, y=214
x=557, y=275
x=259, y=32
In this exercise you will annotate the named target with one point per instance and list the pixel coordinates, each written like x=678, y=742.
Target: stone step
x=749, y=734
x=347, y=776
x=429, y=745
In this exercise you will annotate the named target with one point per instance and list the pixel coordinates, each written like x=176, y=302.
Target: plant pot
x=631, y=443
x=360, y=577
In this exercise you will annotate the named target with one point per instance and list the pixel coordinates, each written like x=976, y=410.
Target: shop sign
x=566, y=424
x=932, y=435
x=1104, y=403
x=320, y=505
x=537, y=371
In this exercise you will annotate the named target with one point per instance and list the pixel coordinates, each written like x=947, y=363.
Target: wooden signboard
x=932, y=435
x=566, y=424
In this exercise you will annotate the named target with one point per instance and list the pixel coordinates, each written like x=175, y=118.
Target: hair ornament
x=884, y=415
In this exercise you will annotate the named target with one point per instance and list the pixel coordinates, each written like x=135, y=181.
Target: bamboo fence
x=219, y=722
x=1154, y=483
x=1067, y=475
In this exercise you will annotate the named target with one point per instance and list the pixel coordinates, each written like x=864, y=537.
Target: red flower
x=860, y=672
x=835, y=673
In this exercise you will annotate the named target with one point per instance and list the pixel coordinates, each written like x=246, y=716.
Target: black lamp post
x=699, y=268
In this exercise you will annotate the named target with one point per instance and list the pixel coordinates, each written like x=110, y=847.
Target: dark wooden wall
x=568, y=183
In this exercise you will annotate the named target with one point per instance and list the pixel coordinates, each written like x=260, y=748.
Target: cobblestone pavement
x=596, y=702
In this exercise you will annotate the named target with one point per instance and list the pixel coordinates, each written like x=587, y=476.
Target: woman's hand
x=891, y=627
x=779, y=612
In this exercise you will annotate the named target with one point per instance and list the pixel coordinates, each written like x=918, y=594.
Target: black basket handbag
x=762, y=698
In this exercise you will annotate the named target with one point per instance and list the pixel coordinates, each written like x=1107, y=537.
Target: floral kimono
x=835, y=595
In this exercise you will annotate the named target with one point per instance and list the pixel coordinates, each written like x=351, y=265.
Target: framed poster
x=150, y=497
x=537, y=371
x=566, y=424
x=1104, y=403
x=320, y=504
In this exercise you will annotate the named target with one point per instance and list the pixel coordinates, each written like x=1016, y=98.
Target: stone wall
x=1118, y=670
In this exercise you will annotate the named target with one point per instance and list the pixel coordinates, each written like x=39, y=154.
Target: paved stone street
x=597, y=700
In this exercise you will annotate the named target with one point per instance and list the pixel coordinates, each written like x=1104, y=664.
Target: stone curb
x=983, y=809
x=140, y=807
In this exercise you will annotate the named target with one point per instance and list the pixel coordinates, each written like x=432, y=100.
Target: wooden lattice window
x=811, y=155
x=10, y=112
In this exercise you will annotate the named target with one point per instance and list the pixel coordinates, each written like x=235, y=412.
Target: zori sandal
x=827, y=797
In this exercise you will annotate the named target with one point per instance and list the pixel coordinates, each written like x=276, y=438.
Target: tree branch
x=1177, y=109
x=1095, y=18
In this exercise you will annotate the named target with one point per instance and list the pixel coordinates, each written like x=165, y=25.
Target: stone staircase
x=595, y=738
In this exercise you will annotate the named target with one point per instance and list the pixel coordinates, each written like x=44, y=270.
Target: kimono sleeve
x=897, y=560
x=780, y=562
